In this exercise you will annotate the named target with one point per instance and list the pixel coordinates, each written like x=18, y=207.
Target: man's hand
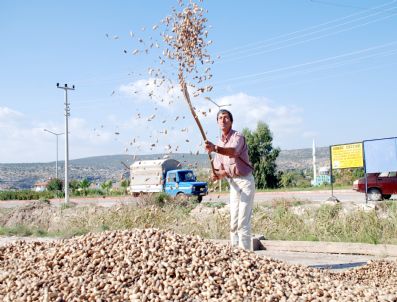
x=219, y=174
x=209, y=147
x=214, y=177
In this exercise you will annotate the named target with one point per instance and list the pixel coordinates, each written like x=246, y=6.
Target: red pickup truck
x=380, y=185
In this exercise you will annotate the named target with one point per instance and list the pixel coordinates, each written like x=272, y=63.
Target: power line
x=116, y=77
x=307, y=63
x=307, y=40
x=94, y=103
x=95, y=80
x=302, y=30
x=286, y=84
x=337, y=4
x=331, y=65
x=321, y=68
x=309, y=31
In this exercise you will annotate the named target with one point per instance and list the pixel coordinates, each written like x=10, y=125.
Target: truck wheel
x=386, y=196
x=374, y=194
x=181, y=196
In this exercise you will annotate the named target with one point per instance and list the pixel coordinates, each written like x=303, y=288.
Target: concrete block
x=257, y=244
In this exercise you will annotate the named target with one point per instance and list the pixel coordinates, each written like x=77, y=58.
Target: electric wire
x=324, y=68
x=94, y=81
x=301, y=30
x=306, y=40
x=268, y=75
x=239, y=78
x=286, y=84
x=336, y=4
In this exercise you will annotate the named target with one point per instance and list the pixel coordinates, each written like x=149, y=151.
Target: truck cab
x=166, y=175
x=183, y=183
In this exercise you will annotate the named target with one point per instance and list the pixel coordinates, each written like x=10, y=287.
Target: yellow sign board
x=347, y=156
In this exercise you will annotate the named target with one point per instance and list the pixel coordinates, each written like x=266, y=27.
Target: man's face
x=224, y=122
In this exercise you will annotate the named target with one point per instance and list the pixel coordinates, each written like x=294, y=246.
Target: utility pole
x=67, y=114
x=314, y=164
x=56, y=163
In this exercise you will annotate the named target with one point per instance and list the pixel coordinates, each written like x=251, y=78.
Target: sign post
x=345, y=156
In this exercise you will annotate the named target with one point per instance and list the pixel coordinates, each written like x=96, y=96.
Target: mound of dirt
x=37, y=214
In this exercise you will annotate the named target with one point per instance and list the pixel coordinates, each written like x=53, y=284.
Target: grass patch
x=65, y=206
x=281, y=220
x=171, y=216
x=327, y=223
x=23, y=231
x=25, y=195
x=217, y=205
x=280, y=223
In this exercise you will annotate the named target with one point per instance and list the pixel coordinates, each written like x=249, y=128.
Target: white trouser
x=242, y=191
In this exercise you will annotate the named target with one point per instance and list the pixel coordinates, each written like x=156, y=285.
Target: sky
x=310, y=69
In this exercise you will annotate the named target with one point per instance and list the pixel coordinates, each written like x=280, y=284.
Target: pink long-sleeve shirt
x=238, y=164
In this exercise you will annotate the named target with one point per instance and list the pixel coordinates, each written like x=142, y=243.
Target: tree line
x=263, y=156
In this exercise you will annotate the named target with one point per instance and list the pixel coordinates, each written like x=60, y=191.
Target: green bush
x=88, y=193
x=55, y=184
x=125, y=183
x=347, y=176
x=294, y=179
x=74, y=185
x=28, y=195
x=107, y=185
x=161, y=198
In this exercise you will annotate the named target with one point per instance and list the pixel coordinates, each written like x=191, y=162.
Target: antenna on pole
x=67, y=114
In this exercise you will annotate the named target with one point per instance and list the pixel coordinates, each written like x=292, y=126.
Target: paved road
x=315, y=196
x=260, y=197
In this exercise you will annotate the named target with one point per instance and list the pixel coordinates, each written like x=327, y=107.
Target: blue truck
x=165, y=175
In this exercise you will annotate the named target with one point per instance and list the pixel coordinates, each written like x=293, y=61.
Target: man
x=232, y=162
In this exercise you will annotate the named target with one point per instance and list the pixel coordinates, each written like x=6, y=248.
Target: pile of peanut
x=156, y=265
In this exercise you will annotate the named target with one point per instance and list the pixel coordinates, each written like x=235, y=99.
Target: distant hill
x=302, y=159
x=101, y=168
x=115, y=161
x=288, y=159
x=97, y=169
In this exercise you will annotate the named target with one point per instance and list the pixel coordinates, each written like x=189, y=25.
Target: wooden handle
x=187, y=98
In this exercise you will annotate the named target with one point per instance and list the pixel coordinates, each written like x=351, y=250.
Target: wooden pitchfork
x=187, y=98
